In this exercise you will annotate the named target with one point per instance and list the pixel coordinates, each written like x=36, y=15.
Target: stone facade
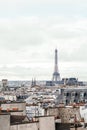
x=70, y=95
x=64, y=113
x=46, y=123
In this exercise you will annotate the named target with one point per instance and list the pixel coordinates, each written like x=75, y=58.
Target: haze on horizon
x=31, y=30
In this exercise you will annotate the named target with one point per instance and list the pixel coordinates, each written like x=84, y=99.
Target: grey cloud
x=23, y=73
x=14, y=36
x=15, y=8
x=35, y=33
x=77, y=55
x=19, y=72
x=17, y=2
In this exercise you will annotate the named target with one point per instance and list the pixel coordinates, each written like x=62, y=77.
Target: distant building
x=72, y=82
x=4, y=82
x=33, y=83
x=49, y=83
x=5, y=85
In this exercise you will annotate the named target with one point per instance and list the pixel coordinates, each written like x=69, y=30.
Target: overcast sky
x=30, y=30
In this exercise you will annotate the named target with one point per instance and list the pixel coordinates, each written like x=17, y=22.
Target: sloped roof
x=18, y=119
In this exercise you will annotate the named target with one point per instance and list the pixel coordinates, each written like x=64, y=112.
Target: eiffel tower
x=56, y=74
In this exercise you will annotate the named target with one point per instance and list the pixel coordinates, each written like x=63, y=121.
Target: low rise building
x=22, y=123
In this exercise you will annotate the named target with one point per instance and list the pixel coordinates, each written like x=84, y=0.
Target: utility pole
x=75, y=122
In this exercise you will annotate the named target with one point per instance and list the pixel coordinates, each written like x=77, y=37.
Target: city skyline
x=31, y=30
